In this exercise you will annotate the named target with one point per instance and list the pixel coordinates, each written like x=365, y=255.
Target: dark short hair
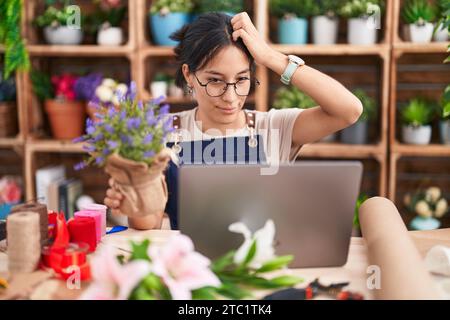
x=201, y=40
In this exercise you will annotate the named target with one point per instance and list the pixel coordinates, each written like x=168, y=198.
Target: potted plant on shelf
x=8, y=107
x=292, y=19
x=429, y=205
x=159, y=85
x=58, y=25
x=325, y=21
x=358, y=133
x=292, y=97
x=66, y=114
x=441, y=31
x=166, y=17
x=230, y=7
x=417, y=116
x=361, y=15
x=107, y=20
x=419, y=16
x=445, y=116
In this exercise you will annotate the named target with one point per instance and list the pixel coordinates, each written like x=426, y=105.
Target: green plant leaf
x=139, y=250
x=205, y=293
x=221, y=263
x=250, y=254
x=275, y=264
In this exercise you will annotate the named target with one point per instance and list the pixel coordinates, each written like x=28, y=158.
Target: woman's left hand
x=245, y=29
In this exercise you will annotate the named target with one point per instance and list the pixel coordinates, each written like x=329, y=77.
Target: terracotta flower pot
x=66, y=118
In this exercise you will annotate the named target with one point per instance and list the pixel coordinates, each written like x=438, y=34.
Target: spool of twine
x=23, y=237
x=41, y=209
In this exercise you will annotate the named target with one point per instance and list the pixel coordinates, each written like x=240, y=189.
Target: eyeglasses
x=217, y=87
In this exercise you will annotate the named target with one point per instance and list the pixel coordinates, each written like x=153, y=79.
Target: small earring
x=190, y=90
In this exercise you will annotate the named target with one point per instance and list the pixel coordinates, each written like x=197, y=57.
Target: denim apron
x=235, y=150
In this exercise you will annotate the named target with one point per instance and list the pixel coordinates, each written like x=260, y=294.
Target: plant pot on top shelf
x=60, y=27
x=106, y=20
x=417, y=117
x=419, y=16
x=325, y=22
x=164, y=21
x=362, y=20
x=324, y=30
x=358, y=133
x=441, y=33
x=159, y=86
x=292, y=20
x=110, y=36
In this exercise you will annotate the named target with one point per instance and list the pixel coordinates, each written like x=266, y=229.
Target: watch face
x=296, y=59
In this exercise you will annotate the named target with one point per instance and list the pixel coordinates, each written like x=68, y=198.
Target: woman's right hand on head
x=113, y=198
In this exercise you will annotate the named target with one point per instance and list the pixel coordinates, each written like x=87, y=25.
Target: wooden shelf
x=11, y=142
x=63, y=146
x=338, y=49
x=345, y=151
x=432, y=150
x=409, y=47
x=158, y=51
x=82, y=50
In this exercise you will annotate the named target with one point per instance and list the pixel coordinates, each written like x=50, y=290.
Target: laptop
x=312, y=204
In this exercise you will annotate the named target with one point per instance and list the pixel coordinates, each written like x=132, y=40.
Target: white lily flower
x=433, y=194
x=108, y=82
x=104, y=93
x=264, y=243
x=423, y=210
x=441, y=208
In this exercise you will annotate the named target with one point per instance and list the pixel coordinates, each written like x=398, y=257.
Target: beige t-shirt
x=275, y=127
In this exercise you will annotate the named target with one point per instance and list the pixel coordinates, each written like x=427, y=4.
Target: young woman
x=217, y=56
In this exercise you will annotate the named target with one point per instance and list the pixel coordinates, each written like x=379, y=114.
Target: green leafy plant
x=426, y=203
x=292, y=8
x=361, y=8
x=42, y=85
x=418, y=12
x=291, y=97
x=418, y=112
x=445, y=104
x=105, y=14
x=369, y=105
x=167, y=6
x=16, y=55
x=329, y=8
x=361, y=198
x=233, y=6
x=54, y=16
x=161, y=77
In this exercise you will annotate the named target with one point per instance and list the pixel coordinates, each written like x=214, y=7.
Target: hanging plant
x=16, y=55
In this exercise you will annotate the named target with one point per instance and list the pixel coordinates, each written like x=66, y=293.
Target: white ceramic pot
x=158, y=88
x=421, y=33
x=416, y=135
x=444, y=127
x=175, y=92
x=441, y=34
x=63, y=35
x=324, y=30
x=111, y=36
x=361, y=32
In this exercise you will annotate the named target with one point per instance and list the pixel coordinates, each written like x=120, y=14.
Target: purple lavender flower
x=99, y=115
x=168, y=125
x=164, y=109
x=123, y=114
x=89, y=148
x=111, y=112
x=132, y=90
x=109, y=128
x=150, y=117
x=79, y=139
x=79, y=166
x=149, y=154
x=126, y=139
x=106, y=151
x=148, y=138
x=159, y=99
x=99, y=137
x=99, y=160
x=94, y=103
x=133, y=123
x=112, y=144
x=140, y=105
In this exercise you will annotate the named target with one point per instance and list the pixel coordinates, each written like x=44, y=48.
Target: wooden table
x=354, y=271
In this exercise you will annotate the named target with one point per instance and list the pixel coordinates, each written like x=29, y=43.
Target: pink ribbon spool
x=98, y=221
x=100, y=208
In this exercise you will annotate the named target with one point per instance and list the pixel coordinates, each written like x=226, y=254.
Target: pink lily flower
x=111, y=280
x=181, y=268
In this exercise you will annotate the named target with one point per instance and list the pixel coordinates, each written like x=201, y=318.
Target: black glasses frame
x=227, y=84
